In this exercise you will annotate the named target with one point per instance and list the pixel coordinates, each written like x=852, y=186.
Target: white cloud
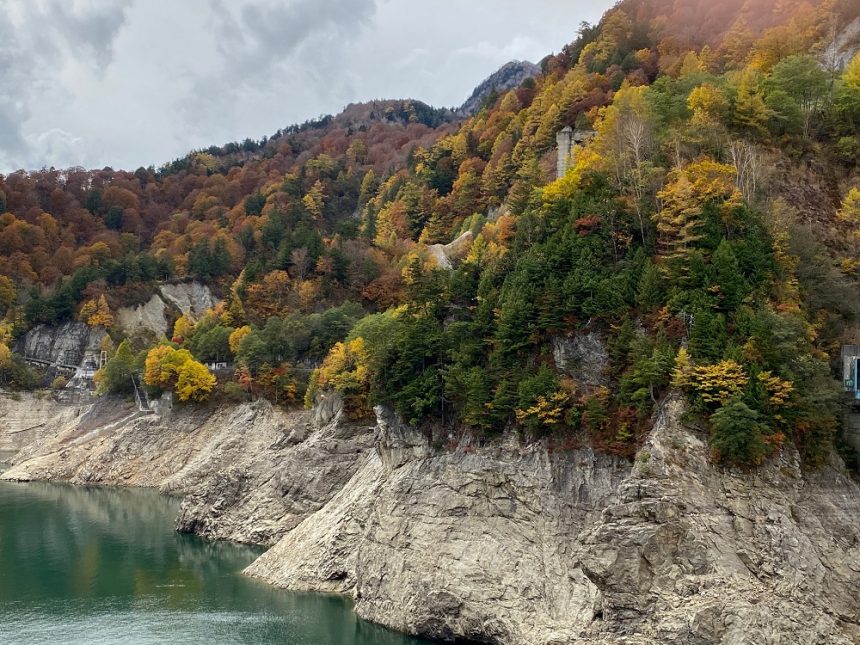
x=138, y=82
x=518, y=47
x=39, y=41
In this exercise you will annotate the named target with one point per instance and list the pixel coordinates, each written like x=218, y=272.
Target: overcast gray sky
x=129, y=83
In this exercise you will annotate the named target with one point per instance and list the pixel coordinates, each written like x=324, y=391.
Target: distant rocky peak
x=507, y=77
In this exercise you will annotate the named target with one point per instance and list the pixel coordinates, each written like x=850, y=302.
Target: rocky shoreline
x=505, y=543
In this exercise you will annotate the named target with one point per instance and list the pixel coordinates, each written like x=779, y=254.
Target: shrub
x=235, y=393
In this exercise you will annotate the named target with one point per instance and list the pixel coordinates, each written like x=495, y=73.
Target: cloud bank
x=130, y=83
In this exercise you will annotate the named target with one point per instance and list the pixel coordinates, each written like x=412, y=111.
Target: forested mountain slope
x=704, y=239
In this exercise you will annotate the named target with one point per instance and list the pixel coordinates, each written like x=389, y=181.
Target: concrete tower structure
x=567, y=139
x=565, y=142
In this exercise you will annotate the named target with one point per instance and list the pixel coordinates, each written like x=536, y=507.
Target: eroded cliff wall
x=514, y=545
x=68, y=343
x=504, y=543
x=28, y=419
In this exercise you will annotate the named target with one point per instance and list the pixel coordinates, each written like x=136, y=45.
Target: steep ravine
x=505, y=543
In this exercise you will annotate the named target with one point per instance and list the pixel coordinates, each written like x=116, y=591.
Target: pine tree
x=736, y=434
x=728, y=277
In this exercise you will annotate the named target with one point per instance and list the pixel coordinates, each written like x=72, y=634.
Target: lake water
x=103, y=565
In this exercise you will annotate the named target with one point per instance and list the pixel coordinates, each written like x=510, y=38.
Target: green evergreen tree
x=650, y=292
x=708, y=336
x=736, y=434
x=728, y=277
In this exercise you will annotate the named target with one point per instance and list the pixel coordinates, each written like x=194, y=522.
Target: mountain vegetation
x=709, y=230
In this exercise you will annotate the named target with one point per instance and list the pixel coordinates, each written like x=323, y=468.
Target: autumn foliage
x=704, y=239
x=167, y=368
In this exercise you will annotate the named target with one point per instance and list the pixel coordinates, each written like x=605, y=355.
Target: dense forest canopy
x=708, y=232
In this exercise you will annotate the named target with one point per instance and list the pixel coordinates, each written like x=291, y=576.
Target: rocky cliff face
x=72, y=341
x=152, y=317
x=27, y=420
x=248, y=473
x=68, y=343
x=844, y=46
x=504, y=543
x=514, y=545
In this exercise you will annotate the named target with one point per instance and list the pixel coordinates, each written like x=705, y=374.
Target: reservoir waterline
x=104, y=565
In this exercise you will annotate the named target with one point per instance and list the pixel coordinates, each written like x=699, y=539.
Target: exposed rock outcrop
x=584, y=357
x=152, y=317
x=844, y=46
x=189, y=297
x=68, y=343
x=447, y=255
x=72, y=342
x=27, y=419
x=520, y=546
x=504, y=543
x=509, y=76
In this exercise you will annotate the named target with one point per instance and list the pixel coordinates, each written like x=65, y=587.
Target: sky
x=130, y=83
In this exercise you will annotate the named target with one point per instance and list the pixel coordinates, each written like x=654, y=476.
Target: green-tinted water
x=97, y=565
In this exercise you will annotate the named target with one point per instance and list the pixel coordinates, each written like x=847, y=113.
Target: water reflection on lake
x=103, y=565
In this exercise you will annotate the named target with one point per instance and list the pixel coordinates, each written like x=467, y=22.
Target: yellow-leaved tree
x=161, y=368
x=690, y=189
x=625, y=144
x=168, y=368
x=778, y=390
x=194, y=382
x=236, y=337
x=719, y=382
x=314, y=200
x=851, y=75
x=182, y=328
x=751, y=112
x=96, y=312
x=345, y=370
x=8, y=294
x=708, y=104
x=546, y=411
x=683, y=369
x=5, y=357
x=850, y=211
x=850, y=214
